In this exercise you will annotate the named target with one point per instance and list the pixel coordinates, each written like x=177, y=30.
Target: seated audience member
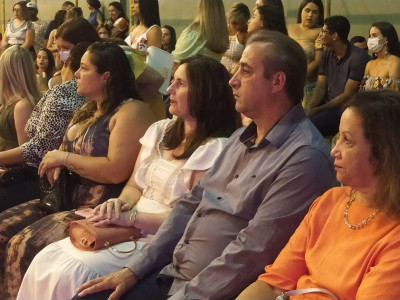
x=39, y=25
x=19, y=31
x=44, y=68
x=268, y=16
x=383, y=71
x=49, y=120
x=67, y=5
x=118, y=22
x=310, y=19
x=59, y=19
x=19, y=95
x=99, y=149
x=340, y=73
x=247, y=205
x=146, y=32
x=360, y=42
x=238, y=18
x=96, y=17
x=75, y=12
x=168, y=38
x=349, y=241
x=175, y=155
x=103, y=31
x=207, y=35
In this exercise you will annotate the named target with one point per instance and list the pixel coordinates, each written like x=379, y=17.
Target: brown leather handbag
x=85, y=236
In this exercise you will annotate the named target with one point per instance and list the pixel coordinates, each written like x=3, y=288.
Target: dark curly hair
x=108, y=57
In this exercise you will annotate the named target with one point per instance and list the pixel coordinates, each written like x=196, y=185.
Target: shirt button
x=186, y=241
x=199, y=214
x=236, y=175
x=177, y=267
x=219, y=198
x=253, y=176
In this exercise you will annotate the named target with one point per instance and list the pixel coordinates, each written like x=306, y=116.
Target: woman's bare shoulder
x=136, y=108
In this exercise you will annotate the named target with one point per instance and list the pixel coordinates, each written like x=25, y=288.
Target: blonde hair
x=18, y=76
x=211, y=24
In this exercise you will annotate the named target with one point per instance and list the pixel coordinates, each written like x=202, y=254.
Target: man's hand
x=121, y=281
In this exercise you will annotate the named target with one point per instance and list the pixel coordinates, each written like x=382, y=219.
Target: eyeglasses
x=325, y=31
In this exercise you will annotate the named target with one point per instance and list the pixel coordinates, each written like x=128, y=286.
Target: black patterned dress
x=25, y=229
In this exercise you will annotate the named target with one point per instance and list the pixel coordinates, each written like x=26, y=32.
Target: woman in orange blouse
x=348, y=243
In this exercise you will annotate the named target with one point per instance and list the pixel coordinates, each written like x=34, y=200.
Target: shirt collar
x=279, y=133
x=346, y=54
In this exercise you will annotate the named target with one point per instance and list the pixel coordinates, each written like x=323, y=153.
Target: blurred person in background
x=383, y=71
x=238, y=17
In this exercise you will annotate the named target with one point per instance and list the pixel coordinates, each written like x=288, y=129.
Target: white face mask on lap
x=375, y=44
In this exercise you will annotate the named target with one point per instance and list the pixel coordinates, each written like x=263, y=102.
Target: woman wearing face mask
x=59, y=18
x=49, y=119
x=100, y=146
x=198, y=134
x=45, y=130
x=383, y=71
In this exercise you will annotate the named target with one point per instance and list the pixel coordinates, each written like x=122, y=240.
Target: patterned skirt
x=24, y=231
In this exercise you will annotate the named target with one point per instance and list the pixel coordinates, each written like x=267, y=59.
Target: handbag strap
x=286, y=295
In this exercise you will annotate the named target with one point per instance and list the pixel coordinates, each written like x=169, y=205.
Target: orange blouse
x=325, y=253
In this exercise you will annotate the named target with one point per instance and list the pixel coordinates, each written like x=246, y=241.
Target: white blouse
x=164, y=180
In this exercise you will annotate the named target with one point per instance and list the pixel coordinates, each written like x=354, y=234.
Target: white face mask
x=64, y=55
x=375, y=45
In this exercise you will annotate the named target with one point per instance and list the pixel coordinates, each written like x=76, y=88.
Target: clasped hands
x=114, y=211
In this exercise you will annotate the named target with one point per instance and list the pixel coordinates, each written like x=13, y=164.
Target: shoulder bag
x=85, y=236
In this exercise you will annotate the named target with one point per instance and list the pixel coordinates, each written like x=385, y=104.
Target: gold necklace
x=364, y=222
